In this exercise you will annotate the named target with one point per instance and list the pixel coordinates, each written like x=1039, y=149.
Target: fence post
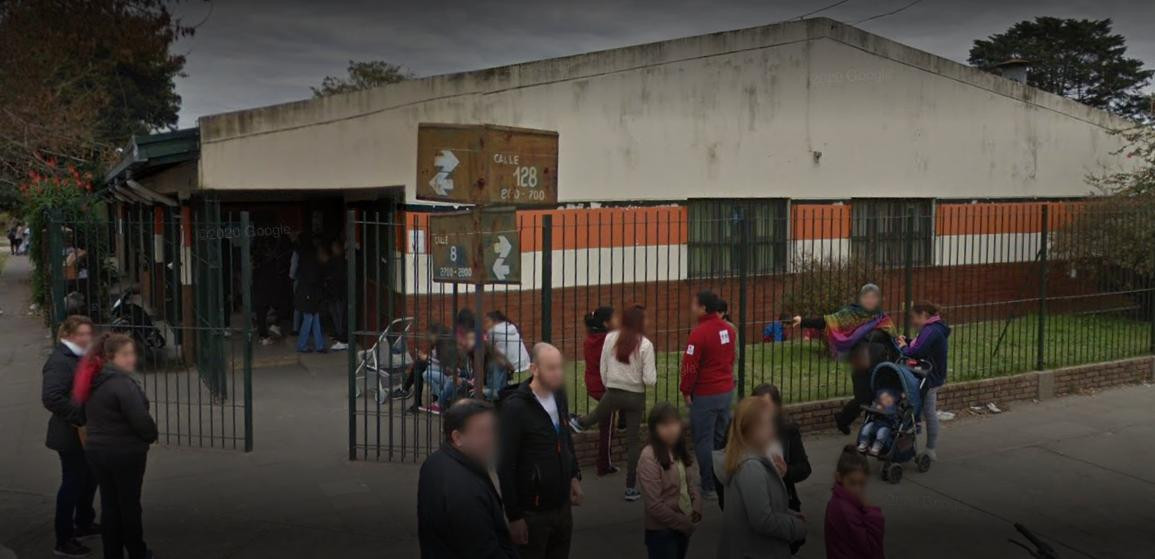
x=908, y=269
x=53, y=255
x=247, y=325
x=547, y=278
x=351, y=324
x=1044, y=238
x=743, y=285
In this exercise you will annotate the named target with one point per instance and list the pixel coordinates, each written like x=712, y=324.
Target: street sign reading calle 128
x=486, y=165
x=476, y=246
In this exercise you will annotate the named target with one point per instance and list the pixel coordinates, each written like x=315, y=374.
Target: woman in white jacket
x=504, y=336
x=628, y=367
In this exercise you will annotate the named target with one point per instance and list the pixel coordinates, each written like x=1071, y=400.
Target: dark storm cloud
x=250, y=53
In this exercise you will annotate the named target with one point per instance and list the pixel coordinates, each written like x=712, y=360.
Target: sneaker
x=575, y=424
x=266, y=341
x=338, y=346
x=632, y=494
x=608, y=471
x=709, y=495
x=931, y=454
x=87, y=532
x=432, y=409
x=874, y=450
x=275, y=331
x=71, y=548
x=400, y=394
x=862, y=448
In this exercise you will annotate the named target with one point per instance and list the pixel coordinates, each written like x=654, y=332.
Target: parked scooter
x=130, y=318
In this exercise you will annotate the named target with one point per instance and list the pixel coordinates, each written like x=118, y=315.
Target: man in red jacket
x=708, y=383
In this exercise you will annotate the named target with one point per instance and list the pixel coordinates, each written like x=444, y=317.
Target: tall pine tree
x=1077, y=58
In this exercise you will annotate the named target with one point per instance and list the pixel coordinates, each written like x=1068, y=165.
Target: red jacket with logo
x=708, y=363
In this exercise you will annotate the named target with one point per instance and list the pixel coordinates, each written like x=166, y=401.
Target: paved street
x=1077, y=470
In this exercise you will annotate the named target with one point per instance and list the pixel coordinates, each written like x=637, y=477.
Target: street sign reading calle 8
x=475, y=246
x=486, y=165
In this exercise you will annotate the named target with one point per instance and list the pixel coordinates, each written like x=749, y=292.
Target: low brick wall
x=816, y=416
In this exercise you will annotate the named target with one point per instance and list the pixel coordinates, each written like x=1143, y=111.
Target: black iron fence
x=1025, y=286
x=178, y=282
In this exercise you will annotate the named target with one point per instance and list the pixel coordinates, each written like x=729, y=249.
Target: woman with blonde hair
x=757, y=520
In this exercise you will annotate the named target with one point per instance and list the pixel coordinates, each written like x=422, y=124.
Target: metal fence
x=178, y=282
x=1019, y=283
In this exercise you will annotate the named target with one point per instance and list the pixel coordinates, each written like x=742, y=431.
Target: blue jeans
x=666, y=544
x=440, y=385
x=875, y=430
x=310, y=324
x=709, y=419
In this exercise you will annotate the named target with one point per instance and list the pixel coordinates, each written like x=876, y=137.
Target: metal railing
x=1018, y=286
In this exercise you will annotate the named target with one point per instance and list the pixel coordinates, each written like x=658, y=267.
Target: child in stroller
x=882, y=421
x=906, y=383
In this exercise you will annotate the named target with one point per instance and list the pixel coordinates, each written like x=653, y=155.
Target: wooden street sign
x=476, y=246
x=486, y=165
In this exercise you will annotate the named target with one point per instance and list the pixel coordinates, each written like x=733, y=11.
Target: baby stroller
x=909, y=381
x=388, y=359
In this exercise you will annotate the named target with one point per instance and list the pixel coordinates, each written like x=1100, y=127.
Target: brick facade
x=816, y=416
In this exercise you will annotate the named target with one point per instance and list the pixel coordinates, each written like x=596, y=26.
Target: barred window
x=715, y=236
x=879, y=231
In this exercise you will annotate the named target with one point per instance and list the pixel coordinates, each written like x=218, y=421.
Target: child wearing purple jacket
x=931, y=345
x=853, y=529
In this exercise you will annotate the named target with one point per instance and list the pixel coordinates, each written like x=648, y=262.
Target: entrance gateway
x=398, y=293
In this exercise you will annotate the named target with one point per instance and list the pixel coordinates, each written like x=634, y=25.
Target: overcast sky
x=250, y=53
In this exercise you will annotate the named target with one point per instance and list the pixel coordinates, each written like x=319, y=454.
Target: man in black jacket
x=459, y=513
x=537, y=466
x=75, y=515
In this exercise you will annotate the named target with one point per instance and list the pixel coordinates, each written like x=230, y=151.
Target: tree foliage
x=1076, y=58
x=361, y=76
x=1111, y=238
x=78, y=78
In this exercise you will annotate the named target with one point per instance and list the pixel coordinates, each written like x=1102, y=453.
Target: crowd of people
x=747, y=456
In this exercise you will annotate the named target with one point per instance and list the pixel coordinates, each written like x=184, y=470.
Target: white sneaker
x=266, y=341
x=275, y=331
x=338, y=346
x=931, y=454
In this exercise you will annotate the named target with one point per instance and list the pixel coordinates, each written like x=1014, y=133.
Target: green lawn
x=804, y=370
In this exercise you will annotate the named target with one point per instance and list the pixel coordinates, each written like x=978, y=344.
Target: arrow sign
x=445, y=162
x=502, y=247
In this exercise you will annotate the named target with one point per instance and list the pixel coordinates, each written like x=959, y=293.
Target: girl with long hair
x=599, y=323
x=758, y=521
x=628, y=366
x=669, y=486
x=120, y=431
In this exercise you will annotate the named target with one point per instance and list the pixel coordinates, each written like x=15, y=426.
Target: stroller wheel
x=923, y=462
x=892, y=473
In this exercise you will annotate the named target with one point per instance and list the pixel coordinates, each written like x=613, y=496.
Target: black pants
x=74, y=498
x=120, y=475
x=416, y=380
x=550, y=533
x=862, y=396
x=337, y=310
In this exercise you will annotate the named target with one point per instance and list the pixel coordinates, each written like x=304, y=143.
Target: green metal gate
x=179, y=281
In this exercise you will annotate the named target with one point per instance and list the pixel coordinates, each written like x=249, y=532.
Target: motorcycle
x=131, y=318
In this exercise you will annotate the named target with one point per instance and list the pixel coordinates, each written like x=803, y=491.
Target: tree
x=362, y=75
x=1111, y=238
x=1077, y=58
x=77, y=79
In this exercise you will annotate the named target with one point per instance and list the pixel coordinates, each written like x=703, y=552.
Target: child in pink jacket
x=854, y=530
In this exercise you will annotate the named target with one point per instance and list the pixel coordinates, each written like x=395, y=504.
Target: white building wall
x=811, y=109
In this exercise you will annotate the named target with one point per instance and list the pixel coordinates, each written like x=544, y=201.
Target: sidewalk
x=1076, y=470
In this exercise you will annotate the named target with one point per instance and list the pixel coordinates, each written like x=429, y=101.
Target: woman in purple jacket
x=931, y=345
